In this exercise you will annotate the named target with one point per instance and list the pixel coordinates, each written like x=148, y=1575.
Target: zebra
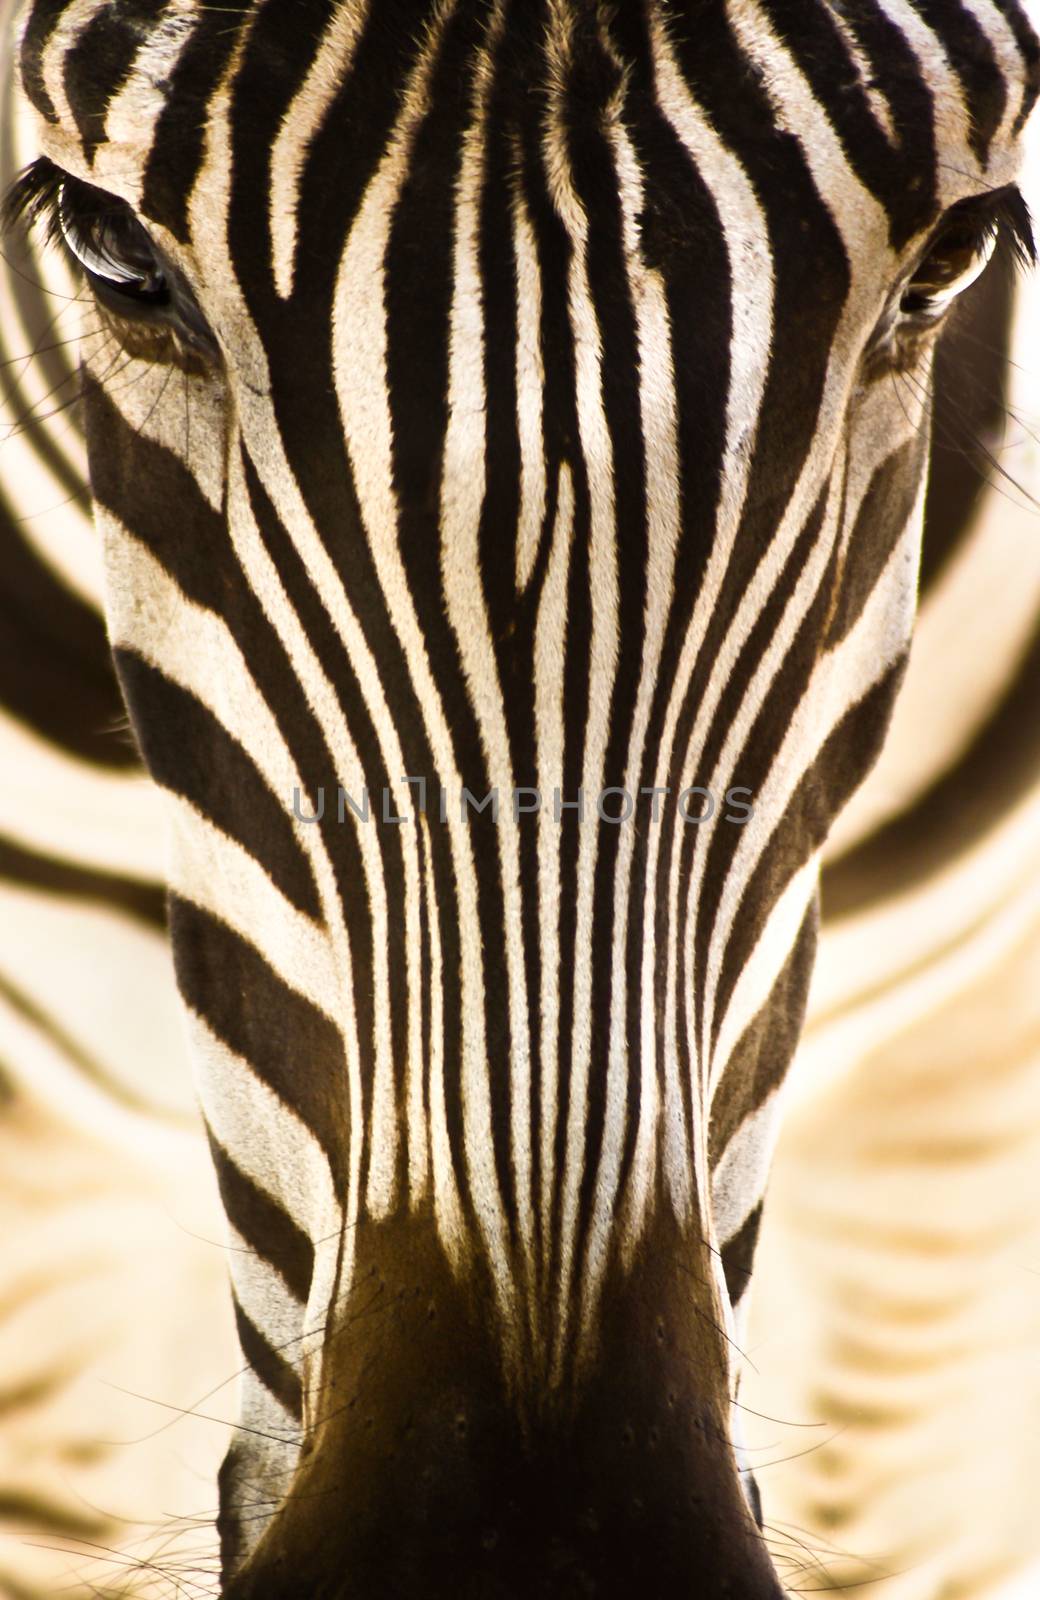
x=648, y=293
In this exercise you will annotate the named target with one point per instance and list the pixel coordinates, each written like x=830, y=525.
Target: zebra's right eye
x=111, y=246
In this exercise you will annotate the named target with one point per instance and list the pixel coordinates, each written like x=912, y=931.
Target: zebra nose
x=432, y=1476
x=472, y=1512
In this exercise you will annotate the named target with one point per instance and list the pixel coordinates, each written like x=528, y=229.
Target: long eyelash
x=35, y=193
x=33, y=198
x=1014, y=227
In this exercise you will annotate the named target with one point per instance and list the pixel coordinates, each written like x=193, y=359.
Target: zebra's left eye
x=962, y=248
x=947, y=271
x=127, y=272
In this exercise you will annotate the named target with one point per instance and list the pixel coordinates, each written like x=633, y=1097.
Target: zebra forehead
x=109, y=69
x=77, y=59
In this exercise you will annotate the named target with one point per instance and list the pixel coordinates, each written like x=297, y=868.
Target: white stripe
x=359, y=352
x=135, y=108
x=739, y=1179
x=259, y=426
x=463, y=486
x=326, y=80
x=597, y=451
x=549, y=651
x=262, y=1293
x=530, y=388
x=215, y=873
x=752, y=293
x=48, y=798
x=447, y=1205
x=763, y=966
x=659, y=423
x=251, y=1123
x=840, y=678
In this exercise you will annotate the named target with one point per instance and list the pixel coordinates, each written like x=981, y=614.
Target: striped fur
x=903, y=1203
x=542, y=281
x=107, y=1199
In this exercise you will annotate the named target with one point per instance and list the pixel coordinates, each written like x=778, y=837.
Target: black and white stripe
x=541, y=400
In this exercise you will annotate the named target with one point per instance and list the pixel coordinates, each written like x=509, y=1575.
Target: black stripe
x=681, y=237
x=849, y=750
x=967, y=801
x=767, y=1044
x=270, y=1366
x=98, y=64
x=191, y=753
x=512, y=616
x=179, y=141
x=738, y=1255
x=58, y=675
x=561, y=431
x=292, y=1047
x=263, y=1223
x=44, y=16
x=596, y=80
x=971, y=56
x=418, y=289
x=148, y=488
x=1028, y=43
x=880, y=523
x=902, y=178
x=55, y=875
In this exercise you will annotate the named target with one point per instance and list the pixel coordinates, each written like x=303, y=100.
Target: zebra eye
x=961, y=250
x=127, y=272
x=111, y=245
x=951, y=266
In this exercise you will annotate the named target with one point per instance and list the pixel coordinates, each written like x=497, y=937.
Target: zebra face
x=527, y=402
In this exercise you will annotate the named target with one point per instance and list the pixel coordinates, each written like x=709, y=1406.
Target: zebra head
x=524, y=399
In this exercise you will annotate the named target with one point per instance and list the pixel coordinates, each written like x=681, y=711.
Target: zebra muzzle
x=427, y=1473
